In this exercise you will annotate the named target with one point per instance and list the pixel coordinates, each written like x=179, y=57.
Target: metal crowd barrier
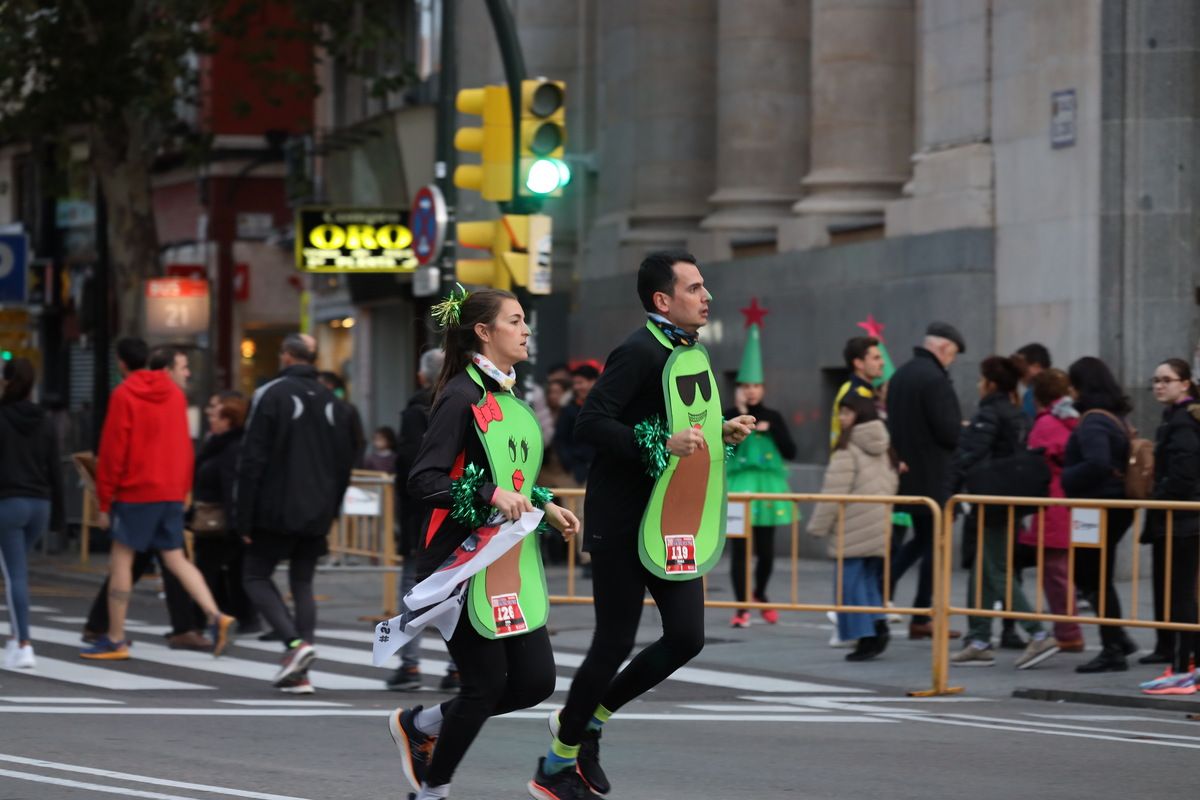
x=1088, y=532
x=570, y=498
x=365, y=531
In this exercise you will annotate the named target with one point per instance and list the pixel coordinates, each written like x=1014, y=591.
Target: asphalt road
x=770, y=712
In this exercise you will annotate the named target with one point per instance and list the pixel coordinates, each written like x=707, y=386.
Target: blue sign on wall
x=14, y=268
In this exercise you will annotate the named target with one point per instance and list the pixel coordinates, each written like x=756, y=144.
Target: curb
x=1101, y=699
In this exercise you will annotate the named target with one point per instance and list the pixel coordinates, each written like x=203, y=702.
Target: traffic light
x=541, y=170
x=493, y=176
x=520, y=248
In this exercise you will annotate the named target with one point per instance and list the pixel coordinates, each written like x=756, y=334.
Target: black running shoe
x=588, y=759
x=416, y=748
x=565, y=784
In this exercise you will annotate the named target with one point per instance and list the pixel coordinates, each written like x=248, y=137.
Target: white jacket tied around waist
x=863, y=467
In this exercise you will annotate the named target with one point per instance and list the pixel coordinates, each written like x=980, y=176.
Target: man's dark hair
x=163, y=357
x=585, y=371
x=857, y=348
x=657, y=274
x=1035, y=353
x=295, y=346
x=132, y=352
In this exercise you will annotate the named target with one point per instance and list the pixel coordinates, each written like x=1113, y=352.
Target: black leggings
x=1185, y=561
x=764, y=554
x=257, y=569
x=1091, y=583
x=498, y=676
x=619, y=584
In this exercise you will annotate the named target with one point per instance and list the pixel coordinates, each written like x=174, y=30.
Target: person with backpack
x=1096, y=464
x=1056, y=418
x=1177, y=478
x=997, y=431
x=862, y=463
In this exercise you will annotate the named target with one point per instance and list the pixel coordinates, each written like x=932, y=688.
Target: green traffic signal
x=547, y=175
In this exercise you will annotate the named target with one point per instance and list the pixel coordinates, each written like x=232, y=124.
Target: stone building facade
x=1026, y=170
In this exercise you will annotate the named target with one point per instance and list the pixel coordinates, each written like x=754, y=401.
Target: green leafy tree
x=123, y=75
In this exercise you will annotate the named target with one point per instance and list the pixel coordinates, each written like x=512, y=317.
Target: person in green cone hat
x=758, y=465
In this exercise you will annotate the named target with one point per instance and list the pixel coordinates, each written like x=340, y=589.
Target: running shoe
x=219, y=631
x=740, y=619
x=105, y=649
x=296, y=684
x=1037, y=651
x=17, y=657
x=1167, y=675
x=1179, y=684
x=974, y=654
x=416, y=748
x=295, y=661
x=566, y=784
x=404, y=679
x=588, y=760
x=769, y=615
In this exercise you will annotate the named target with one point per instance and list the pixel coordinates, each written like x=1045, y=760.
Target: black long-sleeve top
x=1096, y=458
x=628, y=392
x=450, y=440
x=216, y=472
x=1176, y=469
x=776, y=427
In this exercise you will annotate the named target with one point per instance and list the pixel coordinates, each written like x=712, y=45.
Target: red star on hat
x=754, y=313
x=872, y=326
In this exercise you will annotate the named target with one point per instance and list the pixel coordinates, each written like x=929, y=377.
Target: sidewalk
x=797, y=647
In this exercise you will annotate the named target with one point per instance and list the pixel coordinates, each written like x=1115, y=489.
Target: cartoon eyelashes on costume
x=513, y=447
x=688, y=384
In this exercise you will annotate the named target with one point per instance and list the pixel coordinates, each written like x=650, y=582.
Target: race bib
x=681, y=554
x=507, y=615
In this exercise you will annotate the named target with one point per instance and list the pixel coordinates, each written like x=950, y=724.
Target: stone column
x=656, y=127
x=862, y=117
x=762, y=116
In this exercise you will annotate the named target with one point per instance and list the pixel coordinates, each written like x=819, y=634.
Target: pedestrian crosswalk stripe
x=80, y=701
x=204, y=662
x=695, y=675
x=308, y=701
x=362, y=657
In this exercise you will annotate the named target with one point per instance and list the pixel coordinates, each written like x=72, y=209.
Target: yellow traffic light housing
x=493, y=176
x=541, y=170
x=520, y=249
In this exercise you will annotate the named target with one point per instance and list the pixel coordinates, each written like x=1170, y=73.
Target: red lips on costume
x=518, y=479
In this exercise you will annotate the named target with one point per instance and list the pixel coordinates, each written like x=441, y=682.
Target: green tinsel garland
x=466, y=507
x=540, y=496
x=729, y=448
x=651, y=435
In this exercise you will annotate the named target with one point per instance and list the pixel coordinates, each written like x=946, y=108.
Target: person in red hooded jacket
x=143, y=475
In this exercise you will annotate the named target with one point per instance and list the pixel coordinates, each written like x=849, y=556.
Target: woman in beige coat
x=863, y=464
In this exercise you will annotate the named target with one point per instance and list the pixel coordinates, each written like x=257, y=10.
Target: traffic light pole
x=445, y=157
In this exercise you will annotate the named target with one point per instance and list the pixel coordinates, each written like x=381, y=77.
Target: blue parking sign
x=14, y=268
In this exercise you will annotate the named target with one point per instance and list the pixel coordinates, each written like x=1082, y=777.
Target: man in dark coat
x=924, y=420
x=299, y=449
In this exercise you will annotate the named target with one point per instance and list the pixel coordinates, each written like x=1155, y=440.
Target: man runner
x=629, y=393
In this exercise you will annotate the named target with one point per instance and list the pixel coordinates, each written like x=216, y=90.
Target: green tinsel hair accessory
x=466, y=507
x=651, y=436
x=448, y=312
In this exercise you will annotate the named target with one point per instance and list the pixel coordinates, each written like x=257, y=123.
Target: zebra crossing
x=343, y=672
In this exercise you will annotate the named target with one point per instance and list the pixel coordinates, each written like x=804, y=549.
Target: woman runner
x=483, y=447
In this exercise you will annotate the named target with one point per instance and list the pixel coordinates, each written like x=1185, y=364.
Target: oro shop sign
x=176, y=306
x=354, y=240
